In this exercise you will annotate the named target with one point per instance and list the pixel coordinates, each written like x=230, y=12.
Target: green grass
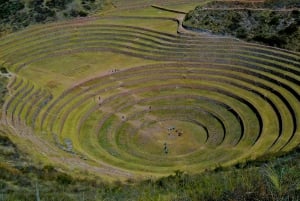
x=277, y=179
x=201, y=84
x=247, y=92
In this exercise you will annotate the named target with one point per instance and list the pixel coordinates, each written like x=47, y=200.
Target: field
x=129, y=93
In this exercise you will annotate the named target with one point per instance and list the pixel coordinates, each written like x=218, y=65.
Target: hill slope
x=275, y=23
x=129, y=105
x=15, y=15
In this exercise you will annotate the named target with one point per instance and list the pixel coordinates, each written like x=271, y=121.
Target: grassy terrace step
x=14, y=85
x=114, y=37
x=28, y=100
x=254, y=65
x=232, y=100
x=12, y=82
x=99, y=27
x=143, y=3
x=77, y=28
x=26, y=95
x=293, y=79
x=198, y=107
x=130, y=82
x=19, y=99
x=9, y=103
x=236, y=52
x=264, y=64
x=245, y=71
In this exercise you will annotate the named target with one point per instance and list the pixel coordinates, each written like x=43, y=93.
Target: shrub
x=64, y=179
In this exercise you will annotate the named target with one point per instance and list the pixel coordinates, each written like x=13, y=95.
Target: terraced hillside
x=132, y=94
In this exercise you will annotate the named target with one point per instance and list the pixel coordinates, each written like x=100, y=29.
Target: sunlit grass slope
x=132, y=94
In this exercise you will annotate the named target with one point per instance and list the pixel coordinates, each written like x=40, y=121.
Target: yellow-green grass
x=87, y=34
x=56, y=31
x=151, y=11
x=78, y=41
x=77, y=67
x=16, y=83
x=137, y=5
x=233, y=101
